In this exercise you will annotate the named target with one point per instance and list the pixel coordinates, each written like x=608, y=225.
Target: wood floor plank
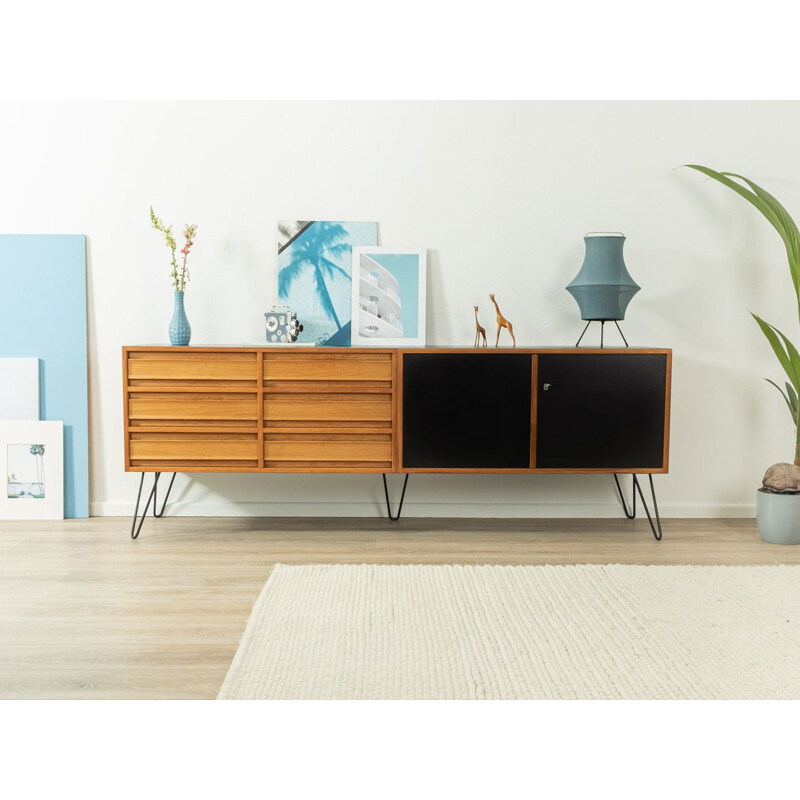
x=110, y=684
x=85, y=612
x=117, y=656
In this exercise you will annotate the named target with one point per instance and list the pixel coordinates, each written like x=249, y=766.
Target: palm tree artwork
x=314, y=266
x=37, y=451
x=26, y=478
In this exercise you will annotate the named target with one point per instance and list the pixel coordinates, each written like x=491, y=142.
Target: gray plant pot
x=778, y=517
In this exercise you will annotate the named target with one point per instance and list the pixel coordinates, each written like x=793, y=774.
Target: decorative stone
x=782, y=478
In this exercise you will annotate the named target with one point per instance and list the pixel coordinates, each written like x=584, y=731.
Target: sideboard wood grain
x=263, y=409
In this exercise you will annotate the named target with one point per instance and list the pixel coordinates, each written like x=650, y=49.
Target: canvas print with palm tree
x=314, y=275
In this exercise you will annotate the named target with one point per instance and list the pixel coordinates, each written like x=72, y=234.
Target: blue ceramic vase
x=180, y=331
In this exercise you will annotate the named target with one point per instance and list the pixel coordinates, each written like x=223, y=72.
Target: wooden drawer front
x=188, y=369
x=362, y=369
x=165, y=451
x=328, y=450
x=193, y=409
x=361, y=410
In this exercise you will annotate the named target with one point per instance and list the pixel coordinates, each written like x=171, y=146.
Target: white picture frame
x=19, y=388
x=32, y=466
x=389, y=296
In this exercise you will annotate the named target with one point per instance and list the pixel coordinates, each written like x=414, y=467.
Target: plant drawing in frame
x=26, y=477
x=32, y=460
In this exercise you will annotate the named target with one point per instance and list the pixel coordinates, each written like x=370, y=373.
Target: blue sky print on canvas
x=314, y=265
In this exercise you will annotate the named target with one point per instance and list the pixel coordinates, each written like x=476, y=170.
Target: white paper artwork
x=19, y=388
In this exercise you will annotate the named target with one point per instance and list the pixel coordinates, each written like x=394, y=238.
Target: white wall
x=501, y=193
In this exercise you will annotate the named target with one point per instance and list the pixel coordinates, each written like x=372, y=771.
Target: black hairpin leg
x=584, y=331
x=621, y=333
x=656, y=528
x=628, y=514
x=602, y=329
x=159, y=514
x=151, y=498
x=402, y=496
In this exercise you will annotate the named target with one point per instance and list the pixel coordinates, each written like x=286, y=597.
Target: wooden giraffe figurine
x=480, y=332
x=502, y=322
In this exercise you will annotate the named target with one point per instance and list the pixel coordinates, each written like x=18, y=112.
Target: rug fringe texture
x=583, y=632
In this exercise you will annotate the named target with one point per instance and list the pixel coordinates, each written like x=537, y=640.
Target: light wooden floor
x=85, y=612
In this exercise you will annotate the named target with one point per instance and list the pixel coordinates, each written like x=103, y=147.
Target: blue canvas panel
x=314, y=266
x=43, y=315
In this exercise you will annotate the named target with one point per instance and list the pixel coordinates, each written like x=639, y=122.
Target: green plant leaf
x=772, y=210
x=785, y=226
x=748, y=195
x=794, y=356
x=792, y=399
x=790, y=366
x=792, y=410
x=782, y=221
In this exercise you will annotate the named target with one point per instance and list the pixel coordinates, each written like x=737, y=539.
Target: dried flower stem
x=179, y=278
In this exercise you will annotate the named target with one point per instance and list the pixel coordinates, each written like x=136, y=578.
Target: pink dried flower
x=180, y=274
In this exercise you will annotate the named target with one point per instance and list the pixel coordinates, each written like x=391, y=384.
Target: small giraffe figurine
x=480, y=332
x=502, y=322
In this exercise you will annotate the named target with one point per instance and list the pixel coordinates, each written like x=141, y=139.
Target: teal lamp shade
x=603, y=287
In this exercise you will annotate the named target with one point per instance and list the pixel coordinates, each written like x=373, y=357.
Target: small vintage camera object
x=282, y=326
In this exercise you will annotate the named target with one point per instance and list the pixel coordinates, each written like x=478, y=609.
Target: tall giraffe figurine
x=480, y=332
x=502, y=322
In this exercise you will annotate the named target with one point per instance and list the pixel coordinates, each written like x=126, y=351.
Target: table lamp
x=603, y=287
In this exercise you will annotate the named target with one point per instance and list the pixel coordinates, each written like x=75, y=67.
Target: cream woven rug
x=521, y=632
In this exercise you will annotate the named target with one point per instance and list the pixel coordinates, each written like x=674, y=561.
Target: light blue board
x=43, y=315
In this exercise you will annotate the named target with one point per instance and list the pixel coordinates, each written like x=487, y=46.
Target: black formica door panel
x=601, y=411
x=466, y=411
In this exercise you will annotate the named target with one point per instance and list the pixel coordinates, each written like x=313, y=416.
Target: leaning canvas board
x=388, y=302
x=314, y=260
x=43, y=315
x=19, y=388
x=32, y=461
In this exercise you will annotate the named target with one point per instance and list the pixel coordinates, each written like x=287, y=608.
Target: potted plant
x=778, y=499
x=180, y=332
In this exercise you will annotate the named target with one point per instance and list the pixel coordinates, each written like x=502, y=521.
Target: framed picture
x=19, y=388
x=388, y=296
x=32, y=460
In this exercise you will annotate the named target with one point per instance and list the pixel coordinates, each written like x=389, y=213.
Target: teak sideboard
x=520, y=410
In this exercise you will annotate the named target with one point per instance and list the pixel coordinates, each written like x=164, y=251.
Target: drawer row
x=241, y=409
x=154, y=450
x=156, y=369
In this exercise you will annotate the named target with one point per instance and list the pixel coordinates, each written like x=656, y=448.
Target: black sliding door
x=601, y=411
x=466, y=410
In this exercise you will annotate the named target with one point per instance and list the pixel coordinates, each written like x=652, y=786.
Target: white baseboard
x=411, y=509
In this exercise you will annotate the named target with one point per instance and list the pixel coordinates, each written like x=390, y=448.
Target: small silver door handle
x=546, y=386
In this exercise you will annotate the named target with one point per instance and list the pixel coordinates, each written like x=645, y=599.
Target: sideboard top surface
x=429, y=349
